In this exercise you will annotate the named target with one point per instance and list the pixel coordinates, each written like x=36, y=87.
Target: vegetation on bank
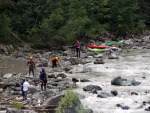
x=48, y=23
x=69, y=103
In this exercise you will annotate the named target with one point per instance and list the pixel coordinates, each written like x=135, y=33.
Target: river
x=133, y=64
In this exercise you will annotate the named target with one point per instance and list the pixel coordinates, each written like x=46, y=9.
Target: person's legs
x=25, y=95
x=77, y=52
x=54, y=64
x=42, y=86
x=33, y=72
x=29, y=71
x=45, y=86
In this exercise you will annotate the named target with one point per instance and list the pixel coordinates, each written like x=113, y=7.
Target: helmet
x=56, y=58
x=43, y=68
x=31, y=57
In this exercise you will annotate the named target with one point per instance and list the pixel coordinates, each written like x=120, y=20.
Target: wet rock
x=91, y=87
x=53, y=101
x=117, y=81
x=104, y=95
x=114, y=92
x=51, y=76
x=99, y=62
x=94, y=91
x=64, y=84
x=84, y=80
x=148, y=109
x=62, y=75
x=125, y=107
x=134, y=93
x=75, y=80
x=131, y=82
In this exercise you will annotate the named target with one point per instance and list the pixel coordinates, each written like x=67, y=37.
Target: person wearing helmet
x=55, y=61
x=43, y=79
x=31, y=65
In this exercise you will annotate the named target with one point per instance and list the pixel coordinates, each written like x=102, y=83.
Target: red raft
x=98, y=46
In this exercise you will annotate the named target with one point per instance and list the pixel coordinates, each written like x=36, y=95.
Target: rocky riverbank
x=58, y=79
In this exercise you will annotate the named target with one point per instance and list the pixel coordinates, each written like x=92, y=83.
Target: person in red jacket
x=31, y=65
x=77, y=46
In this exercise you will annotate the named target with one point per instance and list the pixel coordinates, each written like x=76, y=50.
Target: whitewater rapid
x=133, y=64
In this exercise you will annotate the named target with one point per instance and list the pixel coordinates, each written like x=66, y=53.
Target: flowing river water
x=134, y=64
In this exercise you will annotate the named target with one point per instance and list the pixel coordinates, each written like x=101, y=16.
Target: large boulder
x=117, y=81
x=91, y=87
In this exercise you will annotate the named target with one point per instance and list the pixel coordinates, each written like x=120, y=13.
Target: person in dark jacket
x=43, y=79
x=21, y=85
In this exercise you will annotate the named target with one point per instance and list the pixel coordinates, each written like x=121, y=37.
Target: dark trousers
x=31, y=70
x=54, y=64
x=25, y=95
x=43, y=85
x=78, y=52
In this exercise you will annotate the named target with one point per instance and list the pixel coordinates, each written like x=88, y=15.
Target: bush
x=17, y=105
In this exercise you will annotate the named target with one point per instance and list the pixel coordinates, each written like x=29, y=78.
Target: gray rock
x=117, y=81
x=91, y=87
x=8, y=75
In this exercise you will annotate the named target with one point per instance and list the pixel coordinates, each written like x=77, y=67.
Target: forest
x=47, y=23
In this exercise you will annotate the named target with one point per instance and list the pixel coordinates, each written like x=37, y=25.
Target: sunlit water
x=134, y=64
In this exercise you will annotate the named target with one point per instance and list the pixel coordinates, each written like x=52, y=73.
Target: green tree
x=122, y=15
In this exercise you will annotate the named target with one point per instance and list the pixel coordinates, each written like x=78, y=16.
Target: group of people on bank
x=43, y=76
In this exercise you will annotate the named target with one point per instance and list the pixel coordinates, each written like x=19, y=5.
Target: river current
x=133, y=64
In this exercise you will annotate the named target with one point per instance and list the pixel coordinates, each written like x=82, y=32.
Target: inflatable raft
x=115, y=43
x=97, y=50
x=97, y=46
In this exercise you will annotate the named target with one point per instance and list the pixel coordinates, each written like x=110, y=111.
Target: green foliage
x=4, y=25
x=17, y=105
x=54, y=22
x=67, y=102
x=122, y=15
x=141, y=25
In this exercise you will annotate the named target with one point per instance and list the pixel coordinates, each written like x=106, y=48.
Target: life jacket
x=54, y=60
x=77, y=44
x=31, y=64
x=42, y=75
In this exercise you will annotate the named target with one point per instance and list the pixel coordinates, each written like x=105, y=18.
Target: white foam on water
x=129, y=67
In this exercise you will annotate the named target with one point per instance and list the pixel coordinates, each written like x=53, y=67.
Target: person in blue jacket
x=43, y=79
x=21, y=85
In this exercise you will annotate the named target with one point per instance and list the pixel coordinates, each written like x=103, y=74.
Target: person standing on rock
x=31, y=65
x=21, y=85
x=55, y=61
x=25, y=89
x=77, y=46
x=43, y=79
